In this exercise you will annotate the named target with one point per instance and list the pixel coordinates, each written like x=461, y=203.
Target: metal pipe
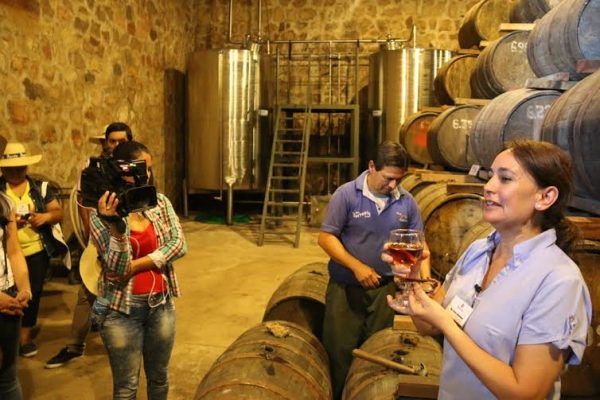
x=222, y=127
x=229, y=203
x=321, y=41
x=330, y=77
x=185, y=198
x=277, y=72
x=230, y=20
x=259, y=19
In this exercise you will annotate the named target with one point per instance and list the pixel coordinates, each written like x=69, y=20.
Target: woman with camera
x=134, y=309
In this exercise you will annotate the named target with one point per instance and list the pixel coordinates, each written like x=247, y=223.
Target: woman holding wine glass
x=515, y=308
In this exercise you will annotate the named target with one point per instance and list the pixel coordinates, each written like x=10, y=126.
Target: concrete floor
x=226, y=281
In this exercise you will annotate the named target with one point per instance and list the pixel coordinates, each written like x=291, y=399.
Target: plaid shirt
x=116, y=255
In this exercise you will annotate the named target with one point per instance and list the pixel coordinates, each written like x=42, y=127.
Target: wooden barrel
x=447, y=138
x=572, y=124
x=452, y=80
x=367, y=380
x=446, y=218
x=502, y=66
x=478, y=231
x=482, y=22
x=274, y=360
x=300, y=298
x=515, y=114
x=413, y=136
x=413, y=183
x=530, y=10
x=582, y=380
x=569, y=32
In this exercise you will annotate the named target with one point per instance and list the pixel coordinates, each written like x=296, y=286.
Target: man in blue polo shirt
x=359, y=218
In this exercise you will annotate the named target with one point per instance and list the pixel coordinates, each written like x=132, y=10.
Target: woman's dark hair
x=5, y=212
x=131, y=151
x=391, y=154
x=550, y=166
x=5, y=216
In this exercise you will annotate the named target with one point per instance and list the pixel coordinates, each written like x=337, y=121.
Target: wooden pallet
x=590, y=226
x=473, y=102
x=403, y=323
x=445, y=176
x=557, y=81
x=510, y=27
x=588, y=66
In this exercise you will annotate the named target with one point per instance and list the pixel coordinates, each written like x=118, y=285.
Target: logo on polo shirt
x=402, y=217
x=361, y=214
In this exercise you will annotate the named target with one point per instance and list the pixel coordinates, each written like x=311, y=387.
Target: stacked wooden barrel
x=568, y=33
x=572, y=123
x=413, y=136
x=517, y=114
x=447, y=137
x=482, y=22
x=530, y=10
x=452, y=80
x=502, y=66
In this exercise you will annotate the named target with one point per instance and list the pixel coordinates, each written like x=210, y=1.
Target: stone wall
x=69, y=67
x=437, y=21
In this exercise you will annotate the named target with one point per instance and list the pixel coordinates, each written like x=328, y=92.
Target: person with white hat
x=15, y=294
x=35, y=215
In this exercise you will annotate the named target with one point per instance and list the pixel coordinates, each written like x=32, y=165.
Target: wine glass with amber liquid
x=406, y=248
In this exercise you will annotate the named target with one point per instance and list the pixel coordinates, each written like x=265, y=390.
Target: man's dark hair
x=118, y=127
x=391, y=154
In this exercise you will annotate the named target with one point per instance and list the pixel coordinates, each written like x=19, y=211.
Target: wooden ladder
x=284, y=194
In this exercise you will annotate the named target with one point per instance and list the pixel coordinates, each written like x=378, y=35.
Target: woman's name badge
x=460, y=310
x=22, y=209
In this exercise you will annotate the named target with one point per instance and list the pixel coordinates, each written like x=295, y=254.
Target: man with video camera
x=138, y=237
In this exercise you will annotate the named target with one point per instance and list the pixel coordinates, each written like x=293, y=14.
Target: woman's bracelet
x=116, y=221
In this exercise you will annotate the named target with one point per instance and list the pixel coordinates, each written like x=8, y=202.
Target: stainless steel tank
x=224, y=147
x=400, y=83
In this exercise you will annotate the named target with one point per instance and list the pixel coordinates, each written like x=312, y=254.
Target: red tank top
x=143, y=243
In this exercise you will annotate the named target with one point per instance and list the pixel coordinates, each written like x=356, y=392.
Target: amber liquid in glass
x=406, y=253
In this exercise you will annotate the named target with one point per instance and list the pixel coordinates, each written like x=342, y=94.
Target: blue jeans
x=146, y=333
x=10, y=389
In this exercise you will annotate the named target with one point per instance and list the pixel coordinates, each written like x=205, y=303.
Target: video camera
x=106, y=174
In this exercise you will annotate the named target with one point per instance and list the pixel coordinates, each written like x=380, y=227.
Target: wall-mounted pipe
x=259, y=20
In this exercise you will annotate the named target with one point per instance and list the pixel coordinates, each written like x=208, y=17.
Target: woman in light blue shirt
x=515, y=308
